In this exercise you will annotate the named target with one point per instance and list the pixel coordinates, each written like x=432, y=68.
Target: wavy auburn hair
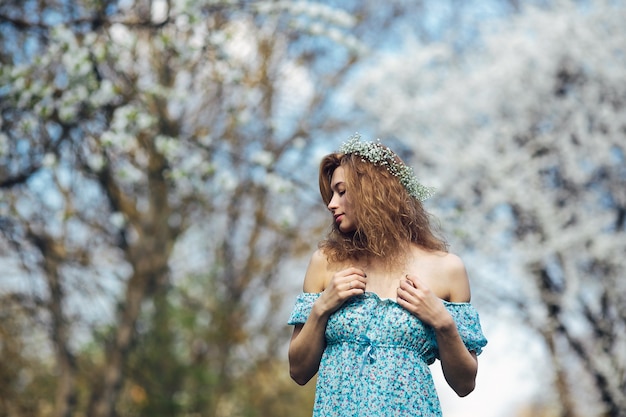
x=387, y=218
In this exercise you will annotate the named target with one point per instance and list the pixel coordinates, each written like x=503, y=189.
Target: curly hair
x=387, y=218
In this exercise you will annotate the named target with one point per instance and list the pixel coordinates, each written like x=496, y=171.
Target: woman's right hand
x=343, y=285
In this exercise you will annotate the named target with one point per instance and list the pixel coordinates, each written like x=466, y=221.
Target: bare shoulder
x=318, y=273
x=452, y=264
x=455, y=275
x=446, y=274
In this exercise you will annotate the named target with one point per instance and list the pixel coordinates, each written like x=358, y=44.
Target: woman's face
x=339, y=204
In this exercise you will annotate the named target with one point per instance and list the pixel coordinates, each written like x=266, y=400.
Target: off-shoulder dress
x=377, y=356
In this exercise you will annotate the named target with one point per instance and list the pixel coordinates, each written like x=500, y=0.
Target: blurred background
x=159, y=202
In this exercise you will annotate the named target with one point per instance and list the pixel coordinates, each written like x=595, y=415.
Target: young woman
x=382, y=297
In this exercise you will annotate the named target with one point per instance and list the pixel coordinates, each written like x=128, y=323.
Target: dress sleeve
x=468, y=325
x=302, y=308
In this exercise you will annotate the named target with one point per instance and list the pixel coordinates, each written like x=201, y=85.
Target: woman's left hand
x=415, y=296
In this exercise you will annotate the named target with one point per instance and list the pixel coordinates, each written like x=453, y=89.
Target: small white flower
x=104, y=95
x=377, y=154
x=117, y=219
x=287, y=216
x=144, y=121
x=228, y=182
x=168, y=146
x=299, y=142
x=277, y=184
x=263, y=158
x=67, y=112
x=49, y=160
x=95, y=162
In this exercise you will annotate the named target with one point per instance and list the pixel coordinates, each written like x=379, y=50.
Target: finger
x=404, y=303
x=358, y=283
x=407, y=285
x=409, y=280
x=403, y=294
x=356, y=275
x=361, y=280
x=353, y=281
x=416, y=281
x=354, y=271
x=408, y=292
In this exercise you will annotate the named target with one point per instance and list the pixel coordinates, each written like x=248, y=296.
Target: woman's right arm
x=308, y=340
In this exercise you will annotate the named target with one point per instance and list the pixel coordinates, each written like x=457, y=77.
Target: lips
x=338, y=218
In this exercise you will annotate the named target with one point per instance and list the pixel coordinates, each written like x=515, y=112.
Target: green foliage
x=26, y=374
x=188, y=362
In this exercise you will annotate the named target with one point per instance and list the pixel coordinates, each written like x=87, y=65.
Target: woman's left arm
x=459, y=365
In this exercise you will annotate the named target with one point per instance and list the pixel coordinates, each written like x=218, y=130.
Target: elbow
x=302, y=365
x=463, y=382
x=463, y=390
x=299, y=379
x=299, y=373
x=298, y=376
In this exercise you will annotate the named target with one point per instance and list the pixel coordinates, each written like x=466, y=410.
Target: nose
x=332, y=204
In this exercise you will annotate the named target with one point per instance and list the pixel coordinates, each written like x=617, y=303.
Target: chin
x=346, y=230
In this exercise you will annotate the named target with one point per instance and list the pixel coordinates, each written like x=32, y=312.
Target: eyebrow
x=337, y=184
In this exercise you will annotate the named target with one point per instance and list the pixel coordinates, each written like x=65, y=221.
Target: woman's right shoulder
x=318, y=273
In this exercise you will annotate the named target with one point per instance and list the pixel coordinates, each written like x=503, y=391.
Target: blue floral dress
x=377, y=356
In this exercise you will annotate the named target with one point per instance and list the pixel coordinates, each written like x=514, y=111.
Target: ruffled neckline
x=370, y=294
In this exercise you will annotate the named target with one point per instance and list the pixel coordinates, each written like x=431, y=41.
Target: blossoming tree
x=525, y=138
x=157, y=154
x=137, y=135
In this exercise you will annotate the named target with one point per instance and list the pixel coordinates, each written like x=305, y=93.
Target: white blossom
x=168, y=146
x=117, y=219
x=104, y=95
x=129, y=174
x=64, y=35
x=131, y=118
x=299, y=142
x=49, y=160
x=286, y=215
x=263, y=158
x=226, y=180
x=68, y=111
x=159, y=11
x=277, y=183
x=95, y=161
x=27, y=125
x=192, y=163
x=121, y=141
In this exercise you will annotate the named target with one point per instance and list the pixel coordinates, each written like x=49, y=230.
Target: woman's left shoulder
x=446, y=262
x=453, y=265
x=453, y=275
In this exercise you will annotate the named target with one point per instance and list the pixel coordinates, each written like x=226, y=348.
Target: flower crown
x=377, y=154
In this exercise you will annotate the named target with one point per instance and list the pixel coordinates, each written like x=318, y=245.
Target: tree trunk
x=54, y=254
x=551, y=291
x=149, y=257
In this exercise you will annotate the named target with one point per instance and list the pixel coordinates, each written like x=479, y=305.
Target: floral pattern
x=377, y=356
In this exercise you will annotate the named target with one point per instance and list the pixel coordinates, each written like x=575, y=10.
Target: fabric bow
x=369, y=355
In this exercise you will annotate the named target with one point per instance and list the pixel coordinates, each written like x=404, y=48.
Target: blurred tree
x=24, y=371
x=526, y=137
x=152, y=161
x=128, y=127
